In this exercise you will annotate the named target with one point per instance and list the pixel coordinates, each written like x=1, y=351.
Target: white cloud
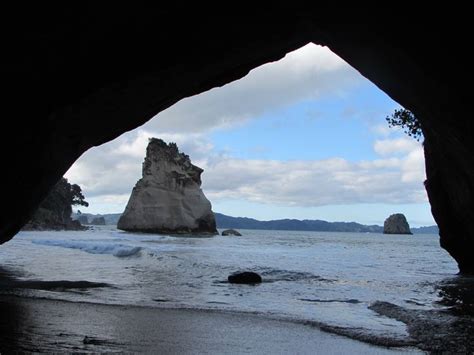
x=308, y=73
x=108, y=173
x=114, y=167
x=394, y=146
x=413, y=167
x=113, y=170
x=133, y=146
x=382, y=129
x=316, y=183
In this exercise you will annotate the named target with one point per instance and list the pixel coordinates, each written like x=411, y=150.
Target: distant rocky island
x=227, y=222
x=396, y=224
x=224, y=221
x=90, y=218
x=315, y=225
x=168, y=198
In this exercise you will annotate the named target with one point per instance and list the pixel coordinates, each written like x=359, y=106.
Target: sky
x=304, y=137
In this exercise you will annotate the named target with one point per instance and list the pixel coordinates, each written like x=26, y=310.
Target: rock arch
x=113, y=68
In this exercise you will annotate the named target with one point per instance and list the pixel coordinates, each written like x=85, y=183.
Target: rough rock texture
x=67, y=68
x=451, y=198
x=436, y=331
x=396, y=224
x=231, y=232
x=54, y=212
x=48, y=222
x=246, y=277
x=168, y=198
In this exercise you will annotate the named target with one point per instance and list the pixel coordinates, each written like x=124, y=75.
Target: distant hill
x=223, y=221
x=425, y=230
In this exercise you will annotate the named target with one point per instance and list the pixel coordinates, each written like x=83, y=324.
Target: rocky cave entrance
x=99, y=69
x=304, y=137
x=77, y=78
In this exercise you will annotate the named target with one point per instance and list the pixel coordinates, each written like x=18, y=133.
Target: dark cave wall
x=113, y=68
x=450, y=191
x=427, y=71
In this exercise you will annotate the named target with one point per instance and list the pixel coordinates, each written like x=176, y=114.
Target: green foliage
x=77, y=198
x=64, y=195
x=55, y=210
x=407, y=120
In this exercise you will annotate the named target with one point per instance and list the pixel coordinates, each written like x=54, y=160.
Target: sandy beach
x=37, y=325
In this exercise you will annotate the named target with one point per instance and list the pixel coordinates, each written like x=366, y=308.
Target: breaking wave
x=118, y=250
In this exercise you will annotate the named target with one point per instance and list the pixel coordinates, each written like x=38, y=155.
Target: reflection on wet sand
x=39, y=325
x=458, y=294
x=23, y=325
x=449, y=328
x=11, y=321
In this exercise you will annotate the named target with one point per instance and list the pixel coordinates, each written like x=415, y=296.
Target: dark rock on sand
x=246, y=277
x=231, y=232
x=396, y=224
x=435, y=331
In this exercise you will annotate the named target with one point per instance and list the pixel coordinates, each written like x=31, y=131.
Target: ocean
x=324, y=279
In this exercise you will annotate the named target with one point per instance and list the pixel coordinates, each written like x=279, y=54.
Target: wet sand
x=37, y=325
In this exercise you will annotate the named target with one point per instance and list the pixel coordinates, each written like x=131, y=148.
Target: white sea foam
x=93, y=247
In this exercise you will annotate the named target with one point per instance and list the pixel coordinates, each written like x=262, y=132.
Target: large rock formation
x=396, y=224
x=54, y=213
x=114, y=67
x=168, y=198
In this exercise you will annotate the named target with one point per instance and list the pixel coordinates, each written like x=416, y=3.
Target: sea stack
x=396, y=224
x=168, y=198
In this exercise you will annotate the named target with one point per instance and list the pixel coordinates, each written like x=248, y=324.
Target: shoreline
x=36, y=324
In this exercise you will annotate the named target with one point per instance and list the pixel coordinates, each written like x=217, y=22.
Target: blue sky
x=312, y=129
x=303, y=138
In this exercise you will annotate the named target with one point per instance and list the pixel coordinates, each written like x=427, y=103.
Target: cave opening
x=304, y=138
x=300, y=138
x=132, y=88
x=88, y=76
